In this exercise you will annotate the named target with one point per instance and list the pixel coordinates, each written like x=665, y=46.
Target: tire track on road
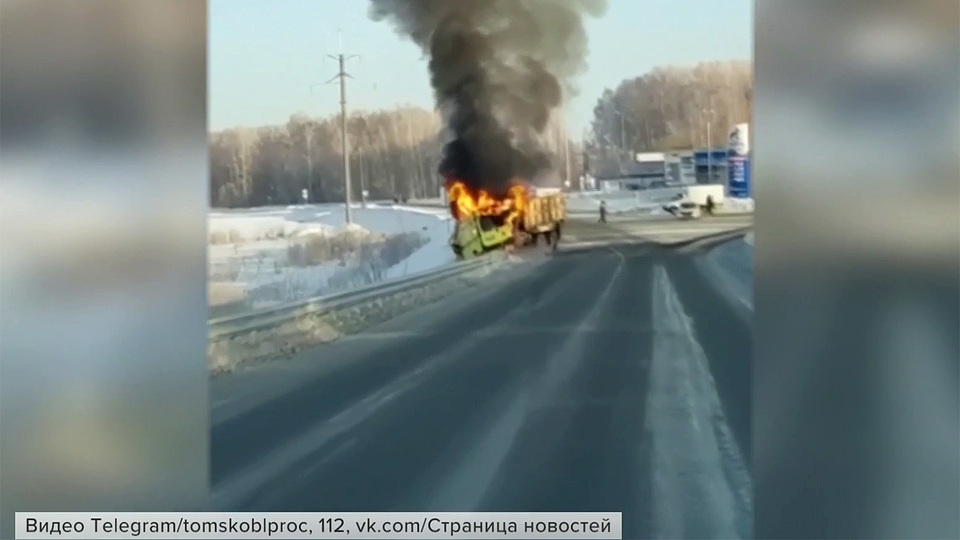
x=459, y=374
x=238, y=440
x=700, y=485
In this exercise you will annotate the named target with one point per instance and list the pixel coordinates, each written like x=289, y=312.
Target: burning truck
x=499, y=72
x=521, y=217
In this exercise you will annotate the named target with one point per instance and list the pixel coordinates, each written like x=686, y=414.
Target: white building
x=680, y=167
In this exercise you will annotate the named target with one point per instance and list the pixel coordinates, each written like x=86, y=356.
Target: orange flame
x=465, y=204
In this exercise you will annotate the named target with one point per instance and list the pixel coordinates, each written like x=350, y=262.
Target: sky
x=267, y=59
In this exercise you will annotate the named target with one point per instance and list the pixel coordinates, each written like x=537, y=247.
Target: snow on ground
x=646, y=201
x=264, y=256
x=643, y=201
x=437, y=251
x=429, y=201
x=733, y=204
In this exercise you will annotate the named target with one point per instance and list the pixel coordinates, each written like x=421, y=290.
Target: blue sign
x=717, y=158
x=738, y=169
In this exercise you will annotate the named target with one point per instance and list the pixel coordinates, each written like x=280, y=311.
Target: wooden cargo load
x=544, y=213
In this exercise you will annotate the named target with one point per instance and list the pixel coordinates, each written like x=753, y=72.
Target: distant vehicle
x=702, y=194
x=689, y=209
x=700, y=198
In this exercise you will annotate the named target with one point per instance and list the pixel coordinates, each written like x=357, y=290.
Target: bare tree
x=663, y=109
x=399, y=149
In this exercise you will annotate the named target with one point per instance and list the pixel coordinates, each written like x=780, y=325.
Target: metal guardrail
x=273, y=316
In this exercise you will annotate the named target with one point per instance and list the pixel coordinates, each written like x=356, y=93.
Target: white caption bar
x=321, y=526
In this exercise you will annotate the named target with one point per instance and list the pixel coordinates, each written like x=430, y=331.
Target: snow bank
x=432, y=202
x=435, y=223
x=251, y=249
x=435, y=253
x=263, y=225
x=731, y=204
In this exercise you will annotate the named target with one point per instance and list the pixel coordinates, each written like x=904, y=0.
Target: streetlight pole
x=709, y=114
x=709, y=155
x=363, y=187
x=623, y=134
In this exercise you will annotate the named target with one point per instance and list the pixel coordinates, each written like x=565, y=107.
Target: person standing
x=603, y=212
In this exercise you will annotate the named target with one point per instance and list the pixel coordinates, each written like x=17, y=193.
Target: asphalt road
x=616, y=379
x=646, y=228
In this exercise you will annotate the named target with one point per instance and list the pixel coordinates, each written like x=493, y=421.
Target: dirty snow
x=701, y=487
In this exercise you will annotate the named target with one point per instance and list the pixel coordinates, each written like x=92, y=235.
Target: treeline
x=397, y=152
x=669, y=107
x=393, y=153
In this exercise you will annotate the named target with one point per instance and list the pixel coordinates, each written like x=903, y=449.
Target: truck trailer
x=542, y=217
x=701, y=198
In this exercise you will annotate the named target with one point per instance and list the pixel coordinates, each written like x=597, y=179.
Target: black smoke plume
x=498, y=69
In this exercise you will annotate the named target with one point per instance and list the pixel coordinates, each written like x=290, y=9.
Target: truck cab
x=690, y=209
x=476, y=235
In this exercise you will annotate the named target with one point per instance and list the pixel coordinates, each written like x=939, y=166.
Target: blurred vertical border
x=857, y=171
x=103, y=336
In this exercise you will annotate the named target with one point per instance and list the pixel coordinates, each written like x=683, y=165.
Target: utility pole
x=646, y=124
x=584, y=160
x=345, y=142
x=623, y=133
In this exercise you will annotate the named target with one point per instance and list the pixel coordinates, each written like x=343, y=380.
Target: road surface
x=616, y=379
x=657, y=229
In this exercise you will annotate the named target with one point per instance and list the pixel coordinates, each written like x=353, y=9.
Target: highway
x=610, y=379
x=645, y=228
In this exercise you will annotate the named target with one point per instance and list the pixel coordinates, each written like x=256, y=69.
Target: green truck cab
x=476, y=235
